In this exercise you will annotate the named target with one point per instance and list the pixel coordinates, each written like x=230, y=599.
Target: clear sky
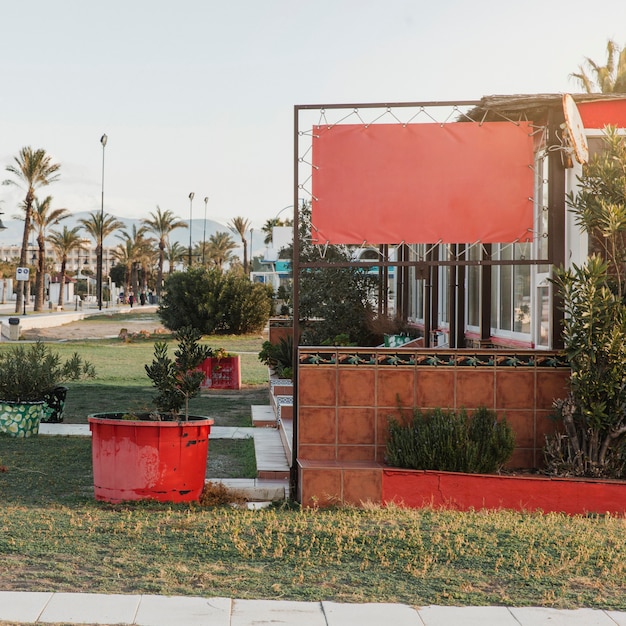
x=198, y=95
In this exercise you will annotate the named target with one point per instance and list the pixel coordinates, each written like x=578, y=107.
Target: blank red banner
x=423, y=183
x=598, y=114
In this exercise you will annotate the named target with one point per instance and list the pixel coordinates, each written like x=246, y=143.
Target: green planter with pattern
x=30, y=385
x=20, y=419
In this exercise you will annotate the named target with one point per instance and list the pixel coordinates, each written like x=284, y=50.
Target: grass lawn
x=121, y=383
x=54, y=536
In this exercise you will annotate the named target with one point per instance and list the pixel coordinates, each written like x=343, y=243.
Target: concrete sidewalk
x=88, y=608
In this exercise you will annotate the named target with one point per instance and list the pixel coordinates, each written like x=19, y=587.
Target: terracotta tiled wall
x=280, y=328
x=345, y=399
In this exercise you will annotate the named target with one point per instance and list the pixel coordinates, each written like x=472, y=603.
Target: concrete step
x=285, y=428
x=263, y=415
x=255, y=489
x=271, y=461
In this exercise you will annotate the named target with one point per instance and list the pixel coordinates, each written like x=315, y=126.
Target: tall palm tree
x=32, y=169
x=64, y=243
x=220, y=248
x=136, y=247
x=43, y=217
x=240, y=226
x=269, y=225
x=608, y=78
x=92, y=224
x=162, y=223
x=123, y=254
x=174, y=253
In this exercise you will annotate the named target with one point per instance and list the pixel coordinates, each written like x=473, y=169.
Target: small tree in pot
x=160, y=455
x=178, y=380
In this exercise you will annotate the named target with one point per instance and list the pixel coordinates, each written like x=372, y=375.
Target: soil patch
x=96, y=329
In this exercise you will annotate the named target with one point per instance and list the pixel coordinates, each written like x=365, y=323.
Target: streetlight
x=103, y=141
x=206, y=201
x=251, y=251
x=191, y=195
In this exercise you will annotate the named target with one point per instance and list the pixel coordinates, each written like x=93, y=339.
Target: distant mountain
x=15, y=229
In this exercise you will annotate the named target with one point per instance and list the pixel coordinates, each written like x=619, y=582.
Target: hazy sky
x=198, y=95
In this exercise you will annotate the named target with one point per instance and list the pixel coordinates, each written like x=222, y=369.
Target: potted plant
x=31, y=386
x=222, y=370
x=162, y=454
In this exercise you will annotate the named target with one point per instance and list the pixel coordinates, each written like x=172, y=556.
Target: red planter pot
x=147, y=460
x=421, y=488
x=224, y=373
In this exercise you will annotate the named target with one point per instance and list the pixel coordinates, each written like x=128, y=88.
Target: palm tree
x=123, y=254
x=608, y=78
x=269, y=225
x=162, y=224
x=43, y=217
x=135, y=249
x=64, y=243
x=174, y=253
x=32, y=169
x=240, y=225
x=99, y=223
x=220, y=248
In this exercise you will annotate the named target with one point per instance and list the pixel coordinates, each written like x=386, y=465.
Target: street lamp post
x=103, y=141
x=191, y=195
x=251, y=251
x=206, y=201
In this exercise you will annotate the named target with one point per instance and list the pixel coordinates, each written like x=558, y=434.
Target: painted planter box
x=424, y=488
x=148, y=460
x=54, y=404
x=222, y=373
x=20, y=419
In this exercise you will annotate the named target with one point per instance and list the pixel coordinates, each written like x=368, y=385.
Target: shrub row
x=450, y=441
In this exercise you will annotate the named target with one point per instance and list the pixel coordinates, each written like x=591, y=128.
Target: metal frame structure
x=553, y=117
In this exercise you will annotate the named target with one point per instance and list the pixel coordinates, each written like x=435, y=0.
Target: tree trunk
x=62, y=285
x=160, y=270
x=39, y=283
x=28, y=202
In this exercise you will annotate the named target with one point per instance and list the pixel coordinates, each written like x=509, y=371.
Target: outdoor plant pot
x=141, y=459
x=54, y=403
x=222, y=373
x=453, y=490
x=20, y=419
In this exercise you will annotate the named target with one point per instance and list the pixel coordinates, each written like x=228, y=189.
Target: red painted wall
x=417, y=489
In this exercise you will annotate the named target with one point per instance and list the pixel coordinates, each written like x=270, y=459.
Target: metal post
x=191, y=195
x=206, y=201
x=103, y=141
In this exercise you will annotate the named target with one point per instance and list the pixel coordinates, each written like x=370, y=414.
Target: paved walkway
x=88, y=608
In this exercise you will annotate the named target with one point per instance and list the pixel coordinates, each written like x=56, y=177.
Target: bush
x=594, y=326
x=27, y=374
x=278, y=356
x=178, y=380
x=453, y=442
x=214, y=302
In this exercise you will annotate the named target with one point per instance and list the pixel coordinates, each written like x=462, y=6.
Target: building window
x=511, y=292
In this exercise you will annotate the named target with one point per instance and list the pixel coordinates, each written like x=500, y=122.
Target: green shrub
x=178, y=380
x=27, y=374
x=449, y=441
x=214, y=302
x=278, y=356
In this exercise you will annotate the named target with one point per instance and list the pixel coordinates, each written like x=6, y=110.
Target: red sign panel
x=423, y=183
